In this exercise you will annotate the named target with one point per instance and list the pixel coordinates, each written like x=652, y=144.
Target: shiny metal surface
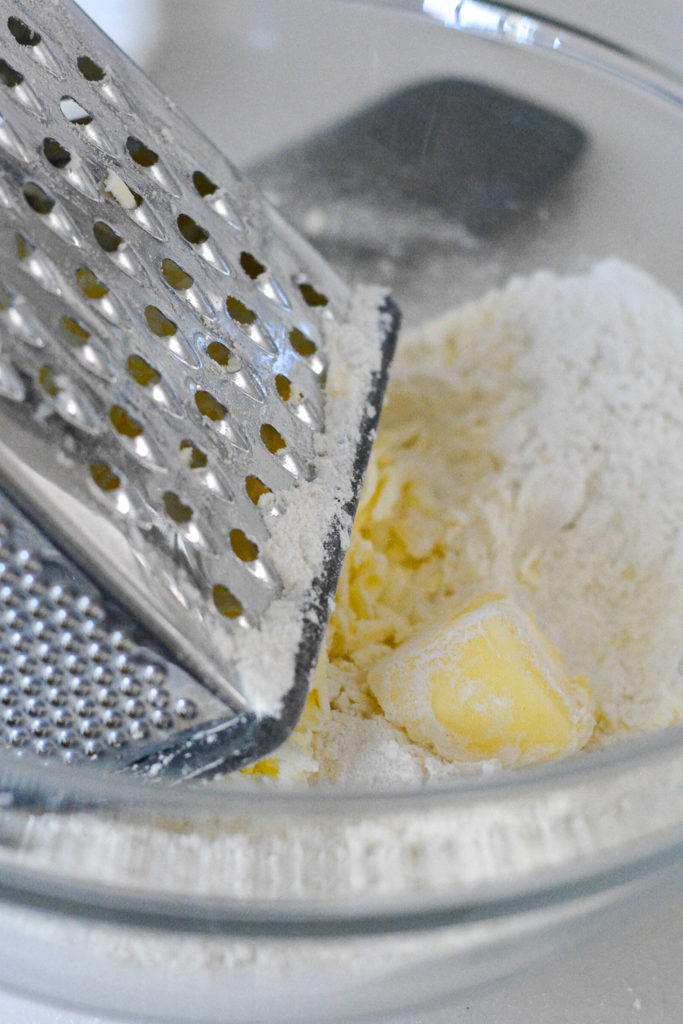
x=78, y=680
x=162, y=360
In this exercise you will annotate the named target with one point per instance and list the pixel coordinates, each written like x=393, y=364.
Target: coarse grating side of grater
x=188, y=396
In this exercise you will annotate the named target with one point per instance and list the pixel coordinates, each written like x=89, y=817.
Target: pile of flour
x=531, y=443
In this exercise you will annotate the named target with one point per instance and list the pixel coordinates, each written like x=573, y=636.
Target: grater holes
x=185, y=708
x=105, y=236
x=203, y=184
x=123, y=423
x=47, y=380
x=238, y=312
x=140, y=153
x=174, y=275
x=272, y=438
x=30, y=685
x=158, y=323
x=89, y=285
x=155, y=675
x=104, y=476
x=37, y=198
x=191, y=456
x=90, y=728
x=141, y=371
x=138, y=729
x=61, y=597
x=283, y=386
x=219, y=352
x=133, y=707
x=55, y=153
x=22, y=247
x=74, y=329
x=161, y=719
x=301, y=343
x=62, y=718
x=130, y=687
x=209, y=406
x=92, y=748
x=90, y=70
x=255, y=488
x=252, y=267
x=311, y=296
x=24, y=35
x=74, y=112
x=176, y=509
x=190, y=230
x=243, y=548
x=18, y=738
x=33, y=704
x=57, y=697
x=9, y=76
x=38, y=726
x=65, y=740
x=225, y=602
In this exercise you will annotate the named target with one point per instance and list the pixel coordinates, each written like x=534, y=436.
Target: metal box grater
x=188, y=395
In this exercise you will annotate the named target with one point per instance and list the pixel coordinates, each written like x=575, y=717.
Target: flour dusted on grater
x=531, y=444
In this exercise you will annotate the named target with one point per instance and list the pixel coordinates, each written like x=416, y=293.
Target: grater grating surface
x=187, y=397
x=77, y=679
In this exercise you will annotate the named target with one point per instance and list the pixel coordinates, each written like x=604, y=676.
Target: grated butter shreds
x=531, y=443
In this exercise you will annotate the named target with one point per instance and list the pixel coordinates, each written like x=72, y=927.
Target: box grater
x=188, y=395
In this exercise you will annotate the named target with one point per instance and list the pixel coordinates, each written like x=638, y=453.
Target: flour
x=265, y=656
x=531, y=443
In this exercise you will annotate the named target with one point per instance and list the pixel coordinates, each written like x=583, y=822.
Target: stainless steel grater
x=188, y=395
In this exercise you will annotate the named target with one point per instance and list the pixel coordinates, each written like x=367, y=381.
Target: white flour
x=531, y=443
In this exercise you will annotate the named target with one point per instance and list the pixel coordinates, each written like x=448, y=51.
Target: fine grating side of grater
x=188, y=396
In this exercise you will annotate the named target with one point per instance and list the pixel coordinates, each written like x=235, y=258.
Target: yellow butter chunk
x=267, y=766
x=485, y=684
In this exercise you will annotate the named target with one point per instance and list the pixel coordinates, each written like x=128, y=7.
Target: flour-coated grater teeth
x=188, y=395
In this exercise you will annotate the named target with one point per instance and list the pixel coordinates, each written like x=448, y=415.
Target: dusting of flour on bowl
x=530, y=443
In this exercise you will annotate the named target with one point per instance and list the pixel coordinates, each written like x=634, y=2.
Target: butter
x=267, y=766
x=485, y=684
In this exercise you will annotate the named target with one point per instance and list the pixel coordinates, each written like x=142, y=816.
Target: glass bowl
x=237, y=905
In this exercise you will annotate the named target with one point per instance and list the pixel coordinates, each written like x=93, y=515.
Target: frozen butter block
x=485, y=684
